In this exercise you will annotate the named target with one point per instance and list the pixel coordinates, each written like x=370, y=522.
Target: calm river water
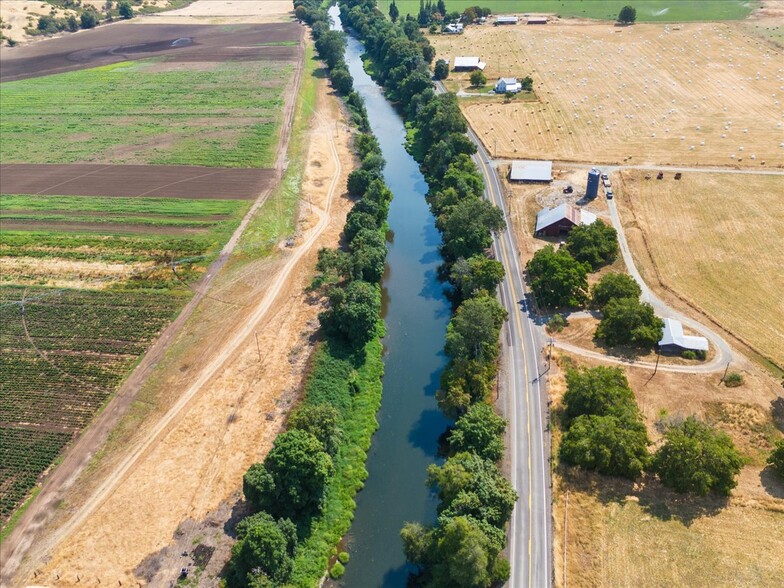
x=416, y=314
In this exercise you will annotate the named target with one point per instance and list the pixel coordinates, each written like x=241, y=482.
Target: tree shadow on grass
x=652, y=497
x=772, y=482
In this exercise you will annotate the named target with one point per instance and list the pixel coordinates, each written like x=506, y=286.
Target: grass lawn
x=647, y=10
x=225, y=115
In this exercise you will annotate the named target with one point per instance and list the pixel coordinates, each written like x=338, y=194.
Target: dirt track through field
x=177, y=42
x=152, y=181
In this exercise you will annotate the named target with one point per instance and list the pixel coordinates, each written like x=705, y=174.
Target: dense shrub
x=353, y=312
x=733, y=380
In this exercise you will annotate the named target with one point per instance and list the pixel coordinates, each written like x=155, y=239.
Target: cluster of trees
x=87, y=18
x=476, y=501
x=463, y=548
x=559, y=278
x=605, y=432
x=287, y=490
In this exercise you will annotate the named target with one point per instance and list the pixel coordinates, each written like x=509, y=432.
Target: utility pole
x=725, y=373
x=258, y=349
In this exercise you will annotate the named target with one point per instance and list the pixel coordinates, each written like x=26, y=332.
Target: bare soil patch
x=166, y=181
x=687, y=94
x=67, y=273
x=129, y=40
x=99, y=227
x=716, y=242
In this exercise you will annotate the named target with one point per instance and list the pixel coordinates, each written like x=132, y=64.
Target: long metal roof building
x=531, y=171
x=673, y=336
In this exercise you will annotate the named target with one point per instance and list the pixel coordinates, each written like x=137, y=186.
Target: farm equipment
x=660, y=176
x=568, y=190
x=678, y=176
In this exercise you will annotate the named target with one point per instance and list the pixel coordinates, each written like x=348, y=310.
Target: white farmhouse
x=504, y=85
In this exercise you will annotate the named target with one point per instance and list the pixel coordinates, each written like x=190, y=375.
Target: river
x=416, y=313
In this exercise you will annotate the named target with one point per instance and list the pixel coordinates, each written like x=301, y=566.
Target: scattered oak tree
x=476, y=273
x=627, y=15
x=596, y=244
x=557, y=278
x=264, y=551
x=628, y=321
x=596, y=391
x=125, y=9
x=612, y=286
x=698, y=459
x=478, y=78
x=441, y=70
x=776, y=458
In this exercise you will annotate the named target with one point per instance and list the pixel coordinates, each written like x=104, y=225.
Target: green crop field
x=647, y=10
x=64, y=352
x=146, y=111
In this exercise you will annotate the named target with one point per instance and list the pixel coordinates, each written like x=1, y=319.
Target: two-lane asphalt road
x=529, y=446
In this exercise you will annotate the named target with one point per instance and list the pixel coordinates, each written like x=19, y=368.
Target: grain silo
x=592, y=190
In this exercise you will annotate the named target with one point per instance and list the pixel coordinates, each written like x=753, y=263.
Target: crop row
x=24, y=456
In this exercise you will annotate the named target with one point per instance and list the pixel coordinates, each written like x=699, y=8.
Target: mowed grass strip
x=221, y=115
x=717, y=240
x=647, y=10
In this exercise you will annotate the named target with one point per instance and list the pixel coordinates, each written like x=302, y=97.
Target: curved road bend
x=530, y=529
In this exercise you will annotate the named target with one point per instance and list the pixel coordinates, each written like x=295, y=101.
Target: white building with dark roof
x=674, y=341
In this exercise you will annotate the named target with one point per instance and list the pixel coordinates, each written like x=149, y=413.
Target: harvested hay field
x=715, y=241
x=163, y=181
x=176, y=42
x=688, y=94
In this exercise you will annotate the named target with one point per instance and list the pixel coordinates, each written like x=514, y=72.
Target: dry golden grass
x=622, y=533
x=605, y=91
x=717, y=242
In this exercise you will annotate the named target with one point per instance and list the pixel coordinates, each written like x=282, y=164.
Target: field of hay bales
x=686, y=94
x=716, y=240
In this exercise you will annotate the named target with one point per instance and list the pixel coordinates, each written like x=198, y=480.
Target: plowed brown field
x=163, y=181
x=191, y=43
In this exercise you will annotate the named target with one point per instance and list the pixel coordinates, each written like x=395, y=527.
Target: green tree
x=527, y=84
x=424, y=16
x=468, y=229
x=368, y=255
x=557, y=278
x=71, y=23
x=125, y=9
x=628, y=321
x=776, y=458
x=47, y=24
x=469, y=485
x=610, y=445
x=478, y=78
x=394, y=12
x=596, y=244
x=479, y=431
x=291, y=481
x=264, y=547
x=474, y=274
x=358, y=182
x=441, y=7
x=597, y=391
x=342, y=80
x=353, y=312
x=627, y=15
x=428, y=53
x=356, y=221
x=463, y=557
x=612, y=286
x=322, y=421
x=473, y=331
x=441, y=70
x=89, y=19
x=330, y=46
x=464, y=382
x=697, y=458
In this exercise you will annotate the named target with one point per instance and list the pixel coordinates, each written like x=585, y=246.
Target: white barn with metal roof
x=467, y=63
x=531, y=171
x=673, y=339
x=504, y=85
